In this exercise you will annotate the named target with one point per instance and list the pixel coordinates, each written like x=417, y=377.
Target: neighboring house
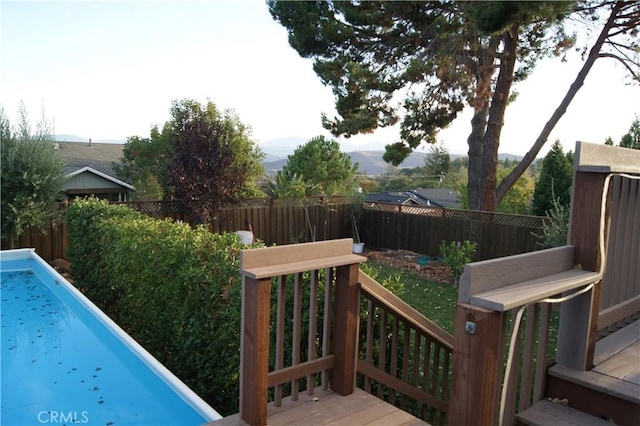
x=88, y=170
x=431, y=197
x=88, y=181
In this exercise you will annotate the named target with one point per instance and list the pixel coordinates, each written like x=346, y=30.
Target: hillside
x=371, y=162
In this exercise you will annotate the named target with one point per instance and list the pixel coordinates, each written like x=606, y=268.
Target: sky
x=109, y=70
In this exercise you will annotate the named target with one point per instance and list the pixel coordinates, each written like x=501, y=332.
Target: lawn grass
x=435, y=300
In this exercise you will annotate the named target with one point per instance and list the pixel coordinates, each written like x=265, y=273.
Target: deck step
x=612, y=387
x=545, y=412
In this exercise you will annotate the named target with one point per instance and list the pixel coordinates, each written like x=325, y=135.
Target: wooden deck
x=611, y=390
x=617, y=370
x=328, y=408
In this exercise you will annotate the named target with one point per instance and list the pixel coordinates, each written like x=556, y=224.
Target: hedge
x=174, y=289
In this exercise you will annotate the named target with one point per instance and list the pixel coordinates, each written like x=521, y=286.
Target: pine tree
x=554, y=182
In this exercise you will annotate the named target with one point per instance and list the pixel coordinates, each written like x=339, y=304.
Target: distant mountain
x=281, y=148
x=371, y=162
x=75, y=138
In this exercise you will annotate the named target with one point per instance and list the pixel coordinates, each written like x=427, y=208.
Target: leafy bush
x=455, y=255
x=175, y=289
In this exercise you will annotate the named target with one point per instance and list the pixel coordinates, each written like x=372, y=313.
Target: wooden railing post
x=254, y=356
x=579, y=317
x=347, y=310
x=478, y=360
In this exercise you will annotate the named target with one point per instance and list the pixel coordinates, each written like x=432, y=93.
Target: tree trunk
x=495, y=123
x=484, y=75
x=474, y=185
x=526, y=161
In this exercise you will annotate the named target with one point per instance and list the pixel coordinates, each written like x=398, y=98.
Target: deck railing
x=328, y=325
x=604, y=228
x=305, y=334
x=404, y=358
x=620, y=294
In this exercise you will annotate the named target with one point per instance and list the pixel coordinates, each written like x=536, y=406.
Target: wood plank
x=618, y=312
x=328, y=408
x=300, y=370
x=590, y=157
x=401, y=386
x=545, y=412
x=302, y=266
x=487, y=275
x=624, y=363
x=616, y=342
x=621, y=389
x=515, y=295
x=293, y=253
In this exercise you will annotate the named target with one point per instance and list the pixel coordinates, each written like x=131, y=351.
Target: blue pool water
x=64, y=362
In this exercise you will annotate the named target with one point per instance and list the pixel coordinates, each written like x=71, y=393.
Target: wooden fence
x=273, y=221
x=422, y=229
x=279, y=222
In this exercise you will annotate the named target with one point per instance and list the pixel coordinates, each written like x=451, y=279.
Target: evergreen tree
x=632, y=138
x=437, y=163
x=554, y=181
x=441, y=57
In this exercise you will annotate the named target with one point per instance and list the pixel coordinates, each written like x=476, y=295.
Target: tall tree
x=438, y=56
x=632, y=138
x=32, y=174
x=554, y=182
x=322, y=167
x=437, y=163
x=215, y=161
x=618, y=40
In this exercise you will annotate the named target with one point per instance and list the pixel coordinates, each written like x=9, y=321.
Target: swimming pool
x=65, y=362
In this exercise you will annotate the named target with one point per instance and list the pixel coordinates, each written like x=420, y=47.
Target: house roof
x=100, y=174
x=443, y=197
x=435, y=197
x=97, y=156
x=395, y=197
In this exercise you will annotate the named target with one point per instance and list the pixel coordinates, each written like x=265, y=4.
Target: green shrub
x=175, y=289
x=455, y=255
x=89, y=249
x=555, y=231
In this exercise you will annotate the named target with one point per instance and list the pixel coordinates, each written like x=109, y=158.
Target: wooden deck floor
x=617, y=370
x=610, y=390
x=328, y=408
x=619, y=357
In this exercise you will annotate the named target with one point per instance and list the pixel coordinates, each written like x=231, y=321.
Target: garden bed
x=410, y=261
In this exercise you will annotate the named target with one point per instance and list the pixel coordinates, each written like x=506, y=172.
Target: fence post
x=477, y=366
x=347, y=311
